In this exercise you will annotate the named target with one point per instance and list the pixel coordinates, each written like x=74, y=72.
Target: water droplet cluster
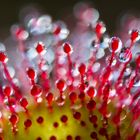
x=69, y=85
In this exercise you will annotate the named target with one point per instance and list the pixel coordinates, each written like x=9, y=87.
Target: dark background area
x=110, y=10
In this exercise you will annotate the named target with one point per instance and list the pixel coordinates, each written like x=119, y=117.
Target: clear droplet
x=19, y=32
x=115, y=44
x=40, y=25
x=100, y=53
x=96, y=67
x=128, y=71
x=125, y=55
x=88, y=15
x=2, y=47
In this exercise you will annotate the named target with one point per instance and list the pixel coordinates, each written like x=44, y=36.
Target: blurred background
x=110, y=11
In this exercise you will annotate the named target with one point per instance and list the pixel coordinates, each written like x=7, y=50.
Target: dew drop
x=82, y=96
x=56, y=29
x=44, y=24
x=93, y=119
x=19, y=32
x=128, y=71
x=125, y=55
x=100, y=53
x=60, y=100
x=115, y=44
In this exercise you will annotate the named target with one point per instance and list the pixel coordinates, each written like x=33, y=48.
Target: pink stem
x=17, y=91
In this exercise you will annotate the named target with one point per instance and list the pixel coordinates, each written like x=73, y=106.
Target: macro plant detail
x=80, y=84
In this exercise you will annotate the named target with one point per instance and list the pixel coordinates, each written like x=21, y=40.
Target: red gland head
x=28, y=123
x=100, y=28
x=77, y=115
x=60, y=84
x=73, y=97
x=91, y=92
x=67, y=48
x=40, y=48
x=134, y=35
x=56, y=30
x=115, y=44
x=125, y=55
x=21, y=34
x=3, y=57
x=13, y=119
x=24, y=102
x=31, y=73
x=82, y=69
x=49, y=98
x=36, y=91
x=7, y=90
